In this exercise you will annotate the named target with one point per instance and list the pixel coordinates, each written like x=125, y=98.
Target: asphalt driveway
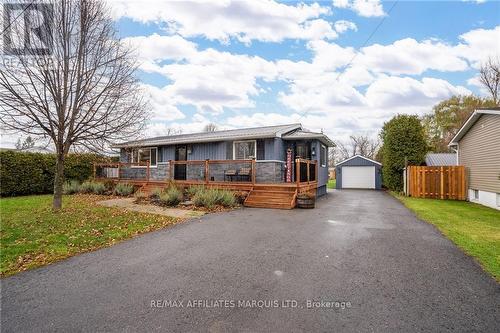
x=257, y=270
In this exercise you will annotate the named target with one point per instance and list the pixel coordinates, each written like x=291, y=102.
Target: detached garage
x=359, y=172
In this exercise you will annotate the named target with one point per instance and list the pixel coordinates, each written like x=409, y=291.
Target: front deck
x=269, y=184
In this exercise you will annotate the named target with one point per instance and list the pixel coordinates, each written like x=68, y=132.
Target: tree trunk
x=58, y=183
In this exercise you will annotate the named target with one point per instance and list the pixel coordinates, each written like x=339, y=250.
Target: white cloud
x=408, y=56
x=162, y=104
x=342, y=26
x=366, y=8
x=262, y=20
x=341, y=89
x=156, y=47
x=391, y=91
x=480, y=44
x=210, y=80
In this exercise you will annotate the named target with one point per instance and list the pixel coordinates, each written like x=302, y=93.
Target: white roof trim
x=468, y=124
x=365, y=158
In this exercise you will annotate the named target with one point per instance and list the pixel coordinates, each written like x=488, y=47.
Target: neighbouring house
x=358, y=172
x=477, y=144
x=261, y=160
x=441, y=159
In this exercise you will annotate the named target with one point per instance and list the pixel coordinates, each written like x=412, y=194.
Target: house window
x=244, y=150
x=476, y=194
x=143, y=155
x=323, y=156
x=302, y=150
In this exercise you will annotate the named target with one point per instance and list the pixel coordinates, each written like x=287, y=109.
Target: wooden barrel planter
x=306, y=201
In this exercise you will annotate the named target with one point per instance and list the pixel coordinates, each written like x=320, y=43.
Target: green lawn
x=32, y=235
x=331, y=183
x=474, y=228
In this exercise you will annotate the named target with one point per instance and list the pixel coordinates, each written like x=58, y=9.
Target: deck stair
x=269, y=196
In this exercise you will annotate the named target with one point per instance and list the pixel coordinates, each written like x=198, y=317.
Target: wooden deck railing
x=112, y=170
x=203, y=171
x=306, y=171
x=207, y=171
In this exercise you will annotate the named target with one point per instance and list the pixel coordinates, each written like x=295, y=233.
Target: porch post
x=297, y=171
x=94, y=169
x=171, y=171
x=147, y=171
x=206, y=171
x=119, y=164
x=253, y=170
x=308, y=172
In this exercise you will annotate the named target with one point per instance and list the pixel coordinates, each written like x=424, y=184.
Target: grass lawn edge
x=493, y=273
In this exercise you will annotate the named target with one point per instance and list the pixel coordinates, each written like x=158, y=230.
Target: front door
x=180, y=169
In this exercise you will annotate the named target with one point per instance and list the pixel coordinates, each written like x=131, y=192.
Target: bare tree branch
x=84, y=95
x=489, y=76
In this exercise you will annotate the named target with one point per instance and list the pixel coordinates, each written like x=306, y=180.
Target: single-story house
x=441, y=159
x=477, y=144
x=271, y=157
x=359, y=172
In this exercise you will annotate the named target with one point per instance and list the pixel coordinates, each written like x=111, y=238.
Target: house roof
x=470, y=122
x=360, y=156
x=236, y=134
x=303, y=134
x=441, y=159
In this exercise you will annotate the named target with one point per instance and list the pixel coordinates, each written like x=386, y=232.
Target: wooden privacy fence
x=437, y=182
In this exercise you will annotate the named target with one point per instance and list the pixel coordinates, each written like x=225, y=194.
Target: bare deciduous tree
x=210, y=127
x=84, y=94
x=489, y=76
x=357, y=145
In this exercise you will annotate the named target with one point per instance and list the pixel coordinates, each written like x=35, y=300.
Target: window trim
x=144, y=166
x=321, y=154
x=240, y=141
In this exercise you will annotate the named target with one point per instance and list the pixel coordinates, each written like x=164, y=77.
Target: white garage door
x=358, y=177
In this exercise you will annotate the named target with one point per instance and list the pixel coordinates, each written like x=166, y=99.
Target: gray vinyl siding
x=210, y=151
x=479, y=152
x=269, y=153
x=279, y=149
x=358, y=161
x=166, y=153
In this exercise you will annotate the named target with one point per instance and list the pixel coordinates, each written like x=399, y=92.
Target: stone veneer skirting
x=266, y=171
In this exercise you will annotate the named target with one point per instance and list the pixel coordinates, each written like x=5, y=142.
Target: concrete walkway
x=392, y=272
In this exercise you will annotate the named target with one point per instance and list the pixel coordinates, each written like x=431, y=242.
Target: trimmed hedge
x=24, y=173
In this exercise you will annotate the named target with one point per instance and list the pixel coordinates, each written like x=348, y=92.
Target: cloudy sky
x=341, y=66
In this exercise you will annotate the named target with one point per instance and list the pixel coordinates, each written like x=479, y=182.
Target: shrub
x=171, y=197
x=98, y=188
x=23, y=173
x=110, y=185
x=87, y=187
x=140, y=196
x=124, y=189
x=192, y=190
x=226, y=198
x=210, y=197
x=206, y=198
x=155, y=193
x=71, y=187
x=402, y=138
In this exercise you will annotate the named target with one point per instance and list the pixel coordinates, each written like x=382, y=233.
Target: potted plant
x=306, y=200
